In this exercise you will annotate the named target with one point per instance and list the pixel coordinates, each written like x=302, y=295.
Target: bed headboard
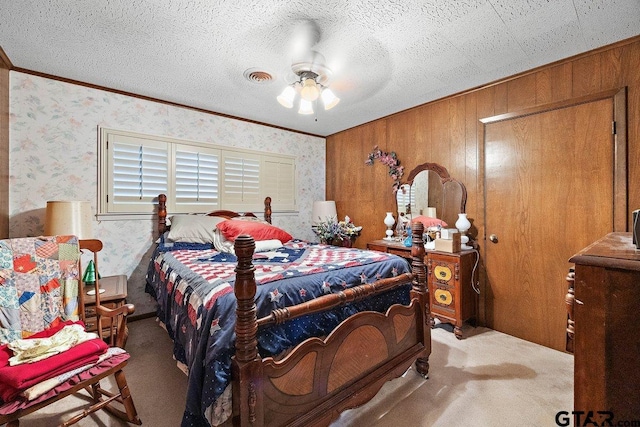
x=162, y=212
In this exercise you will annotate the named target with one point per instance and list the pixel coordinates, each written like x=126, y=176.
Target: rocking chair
x=41, y=293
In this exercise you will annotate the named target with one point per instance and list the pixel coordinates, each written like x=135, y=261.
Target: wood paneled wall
x=4, y=145
x=447, y=132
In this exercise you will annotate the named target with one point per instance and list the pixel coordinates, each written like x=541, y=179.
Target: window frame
x=284, y=200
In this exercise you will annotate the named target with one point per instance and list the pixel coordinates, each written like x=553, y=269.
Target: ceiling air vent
x=256, y=76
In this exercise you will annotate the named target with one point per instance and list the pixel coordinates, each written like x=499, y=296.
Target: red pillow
x=428, y=221
x=259, y=231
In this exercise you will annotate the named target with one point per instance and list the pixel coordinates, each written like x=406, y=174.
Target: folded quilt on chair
x=6, y=353
x=43, y=387
x=30, y=350
x=22, y=402
x=14, y=379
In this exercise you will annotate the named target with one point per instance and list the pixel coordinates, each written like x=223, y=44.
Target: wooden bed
x=322, y=376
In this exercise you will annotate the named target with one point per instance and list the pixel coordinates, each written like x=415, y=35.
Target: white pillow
x=268, y=245
x=223, y=245
x=193, y=228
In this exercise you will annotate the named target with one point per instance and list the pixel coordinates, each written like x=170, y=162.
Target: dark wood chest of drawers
x=606, y=311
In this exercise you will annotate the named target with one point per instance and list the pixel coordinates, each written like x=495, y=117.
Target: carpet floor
x=486, y=379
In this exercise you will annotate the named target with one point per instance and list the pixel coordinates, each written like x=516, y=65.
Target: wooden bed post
x=162, y=214
x=246, y=364
x=420, y=291
x=267, y=209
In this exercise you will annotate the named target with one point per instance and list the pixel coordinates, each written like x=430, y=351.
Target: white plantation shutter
x=403, y=198
x=196, y=178
x=138, y=174
x=414, y=209
x=278, y=182
x=241, y=178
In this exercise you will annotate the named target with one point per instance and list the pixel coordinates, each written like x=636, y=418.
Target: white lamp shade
x=329, y=99
x=431, y=212
x=310, y=90
x=68, y=218
x=323, y=211
x=463, y=223
x=286, y=97
x=305, y=107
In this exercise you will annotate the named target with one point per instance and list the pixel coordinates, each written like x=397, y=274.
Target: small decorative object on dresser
x=451, y=293
x=389, y=221
x=463, y=225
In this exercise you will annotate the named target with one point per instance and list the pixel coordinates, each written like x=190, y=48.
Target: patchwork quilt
x=38, y=284
x=193, y=285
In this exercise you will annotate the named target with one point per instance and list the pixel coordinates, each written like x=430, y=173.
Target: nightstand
x=451, y=294
x=114, y=295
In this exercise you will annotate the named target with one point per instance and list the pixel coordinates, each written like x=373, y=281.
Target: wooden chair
x=55, y=263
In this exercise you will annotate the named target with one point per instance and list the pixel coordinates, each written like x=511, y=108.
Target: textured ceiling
x=386, y=56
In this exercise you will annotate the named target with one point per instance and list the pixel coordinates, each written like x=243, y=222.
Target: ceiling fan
x=309, y=75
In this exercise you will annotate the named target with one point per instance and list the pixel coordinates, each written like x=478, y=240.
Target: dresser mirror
x=431, y=191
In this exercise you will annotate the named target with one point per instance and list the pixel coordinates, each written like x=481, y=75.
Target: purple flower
x=391, y=161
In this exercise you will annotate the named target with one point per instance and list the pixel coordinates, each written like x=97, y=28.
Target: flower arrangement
x=332, y=231
x=391, y=161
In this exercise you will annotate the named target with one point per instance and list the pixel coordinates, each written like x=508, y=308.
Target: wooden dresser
x=607, y=327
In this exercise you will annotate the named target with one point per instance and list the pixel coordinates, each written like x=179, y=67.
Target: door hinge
x=613, y=127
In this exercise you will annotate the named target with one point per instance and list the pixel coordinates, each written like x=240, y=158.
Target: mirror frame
x=445, y=177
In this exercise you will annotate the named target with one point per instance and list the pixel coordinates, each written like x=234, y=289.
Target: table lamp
x=65, y=218
x=322, y=211
x=68, y=218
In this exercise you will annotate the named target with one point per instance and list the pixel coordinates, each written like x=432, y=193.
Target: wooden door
x=549, y=192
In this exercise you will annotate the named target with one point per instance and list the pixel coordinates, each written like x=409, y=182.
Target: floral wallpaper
x=53, y=156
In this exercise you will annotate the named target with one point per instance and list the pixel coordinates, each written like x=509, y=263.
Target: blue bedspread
x=193, y=285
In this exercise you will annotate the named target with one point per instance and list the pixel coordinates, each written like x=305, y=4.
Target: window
x=196, y=177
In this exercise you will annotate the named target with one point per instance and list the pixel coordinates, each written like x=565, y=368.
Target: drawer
x=90, y=310
x=443, y=297
x=374, y=247
x=91, y=323
x=399, y=252
x=444, y=273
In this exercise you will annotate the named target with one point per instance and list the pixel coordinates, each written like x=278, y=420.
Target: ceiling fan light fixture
x=329, y=99
x=306, y=107
x=312, y=79
x=310, y=91
x=287, y=96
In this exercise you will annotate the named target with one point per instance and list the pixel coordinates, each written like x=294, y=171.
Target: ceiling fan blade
x=305, y=35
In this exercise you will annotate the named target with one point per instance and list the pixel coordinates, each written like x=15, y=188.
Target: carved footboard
x=321, y=377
